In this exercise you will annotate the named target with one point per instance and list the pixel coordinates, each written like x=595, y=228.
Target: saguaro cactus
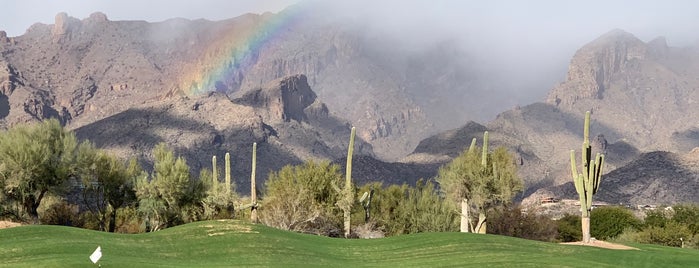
x=253, y=193
x=347, y=193
x=481, y=226
x=366, y=203
x=228, y=173
x=587, y=182
x=214, y=182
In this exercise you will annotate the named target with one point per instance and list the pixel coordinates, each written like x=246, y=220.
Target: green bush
x=671, y=235
x=402, y=209
x=128, y=221
x=655, y=218
x=301, y=198
x=61, y=213
x=511, y=221
x=569, y=229
x=610, y=221
x=687, y=215
x=673, y=227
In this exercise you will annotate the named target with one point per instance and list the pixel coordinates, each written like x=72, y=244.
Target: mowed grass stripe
x=234, y=243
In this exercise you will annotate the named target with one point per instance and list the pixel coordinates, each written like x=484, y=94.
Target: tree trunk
x=585, y=229
x=465, y=217
x=112, y=221
x=482, y=226
x=348, y=216
x=253, y=214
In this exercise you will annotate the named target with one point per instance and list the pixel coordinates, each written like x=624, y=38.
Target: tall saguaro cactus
x=253, y=193
x=481, y=226
x=587, y=182
x=228, y=173
x=347, y=193
x=215, y=172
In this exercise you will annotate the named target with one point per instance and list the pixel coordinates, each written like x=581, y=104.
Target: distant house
x=549, y=200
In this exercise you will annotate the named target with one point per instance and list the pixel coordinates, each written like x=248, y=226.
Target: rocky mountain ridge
x=127, y=85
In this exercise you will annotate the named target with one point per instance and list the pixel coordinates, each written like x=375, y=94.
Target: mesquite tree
x=587, y=182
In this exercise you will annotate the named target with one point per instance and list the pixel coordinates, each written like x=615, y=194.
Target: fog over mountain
x=526, y=45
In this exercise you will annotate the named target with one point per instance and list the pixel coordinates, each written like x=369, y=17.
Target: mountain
x=643, y=99
x=654, y=178
x=644, y=113
x=294, y=82
x=82, y=71
x=284, y=117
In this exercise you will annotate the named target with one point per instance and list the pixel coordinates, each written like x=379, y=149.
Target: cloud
x=19, y=15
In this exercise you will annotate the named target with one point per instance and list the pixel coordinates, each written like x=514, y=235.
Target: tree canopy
x=484, y=179
x=35, y=159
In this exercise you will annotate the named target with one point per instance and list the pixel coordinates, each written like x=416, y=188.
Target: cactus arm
x=484, y=156
x=364, y=196
x=473, y=146
x=599, y=162
x=337, y=189
x=585, y=159
x=348, y=169
x=573, y=165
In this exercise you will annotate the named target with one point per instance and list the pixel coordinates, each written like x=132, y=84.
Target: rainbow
x=237, y=48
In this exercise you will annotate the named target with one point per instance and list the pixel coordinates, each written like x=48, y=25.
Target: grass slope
x=233, y=243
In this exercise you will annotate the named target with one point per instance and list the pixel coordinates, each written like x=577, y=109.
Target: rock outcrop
x=594, y=66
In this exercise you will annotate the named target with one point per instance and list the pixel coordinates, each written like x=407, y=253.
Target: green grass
x=233, y=243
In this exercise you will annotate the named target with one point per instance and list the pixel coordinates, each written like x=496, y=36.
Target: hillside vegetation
x=234, y=243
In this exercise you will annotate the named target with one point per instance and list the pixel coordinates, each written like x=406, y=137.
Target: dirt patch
x=602, y=244
x=230, y=227
x=8, y=224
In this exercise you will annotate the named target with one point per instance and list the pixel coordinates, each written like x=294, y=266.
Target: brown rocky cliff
x=593, y=67
x=285, y=99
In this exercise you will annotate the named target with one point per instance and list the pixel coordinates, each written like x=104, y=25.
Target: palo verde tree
x=171, y=197
x=35, y=160
x=107, y=184
x=587, y=182
x=481, y=179
x=300, y=198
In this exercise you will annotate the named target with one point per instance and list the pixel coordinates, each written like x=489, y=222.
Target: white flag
x=96, y=255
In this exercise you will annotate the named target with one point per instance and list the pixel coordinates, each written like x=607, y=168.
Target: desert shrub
x=424, y=210
x=171, y=197
x=511, y=221
x=368, y=230
x=629, y=235
x=687, y=215
x=610, y=221
x=671, y=235
x=219, y=202
x=61, y=213
x=128, y=221
x=301, y=198
x=569, y=229
x=655, y=218
x=668, y=227
x=402, y=209
x=90, y=220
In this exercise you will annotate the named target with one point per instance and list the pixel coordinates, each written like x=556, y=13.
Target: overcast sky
x=535, y=39
x=17, y=15
x=514, y=18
